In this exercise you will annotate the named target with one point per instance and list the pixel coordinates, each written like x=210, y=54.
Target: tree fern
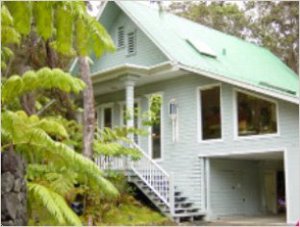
x=22, y=131
x=59, y=178
x=54, y=203
x=69, y=19
x=44, y=78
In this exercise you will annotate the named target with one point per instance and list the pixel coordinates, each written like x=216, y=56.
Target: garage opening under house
x=227, y=139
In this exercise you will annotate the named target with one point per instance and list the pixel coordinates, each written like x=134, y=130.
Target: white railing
x=112, y=163
x=153, y=175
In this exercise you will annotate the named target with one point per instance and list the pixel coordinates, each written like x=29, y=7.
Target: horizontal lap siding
x=181, y=159
x=147, y=53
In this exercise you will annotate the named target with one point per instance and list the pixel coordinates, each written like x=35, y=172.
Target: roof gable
x=236, y=59
x=146, y=54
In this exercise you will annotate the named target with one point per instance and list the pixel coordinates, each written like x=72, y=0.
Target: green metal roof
x=236, y=59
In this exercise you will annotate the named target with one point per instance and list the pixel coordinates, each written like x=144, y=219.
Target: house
x=227, y=140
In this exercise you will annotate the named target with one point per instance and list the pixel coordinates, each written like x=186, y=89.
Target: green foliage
x=43, y=18
x=115, y=143
x=6, y=54
x=152, y=117
x=8, y=32
x=22, y=14
x=58, y=178
x=44, y=78
x=54, y=203
x=30, y=137
x=59, y=21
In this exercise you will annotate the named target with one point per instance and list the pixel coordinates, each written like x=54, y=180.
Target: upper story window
x=211, y=113
x=256, y=116
x=131, y=43
x=121, y=37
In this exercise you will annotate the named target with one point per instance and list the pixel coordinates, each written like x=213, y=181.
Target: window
x=211, y=113
x=256, y=116
x=155, y=106
x=131, y=43
x=107, y=117
x=121, y=37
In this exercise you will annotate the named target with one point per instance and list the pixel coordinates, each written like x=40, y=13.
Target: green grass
x=128, y=211
x=132, y=214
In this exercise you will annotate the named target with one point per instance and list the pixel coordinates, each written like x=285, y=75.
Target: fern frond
x=54, y=203
x=44, y=78
x=22, y=15
x=59, y=178
x=43, y=17
x=22, y=132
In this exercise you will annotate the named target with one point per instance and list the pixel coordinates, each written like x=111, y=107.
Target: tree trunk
x=13, y=189
x=89, y=109
x=66, y=106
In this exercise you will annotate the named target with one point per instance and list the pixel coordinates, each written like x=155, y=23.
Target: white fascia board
x=266, y=91
x=119, y=70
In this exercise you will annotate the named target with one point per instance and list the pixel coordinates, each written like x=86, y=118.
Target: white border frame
x=235, y=116
x=161, y=127
x=199, y=113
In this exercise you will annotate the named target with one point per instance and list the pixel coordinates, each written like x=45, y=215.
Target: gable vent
x=131, y=43
x=121, y=37
x=201, y=47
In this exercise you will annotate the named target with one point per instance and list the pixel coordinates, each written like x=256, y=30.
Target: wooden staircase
x=155, y=183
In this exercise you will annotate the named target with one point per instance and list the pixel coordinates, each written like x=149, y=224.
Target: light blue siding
x=181, y=158
x=147, y=53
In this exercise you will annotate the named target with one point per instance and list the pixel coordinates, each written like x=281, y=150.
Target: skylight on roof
x=201, y=47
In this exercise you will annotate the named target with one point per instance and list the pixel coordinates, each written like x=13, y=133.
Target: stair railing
x=152, y=174
x=155, y=177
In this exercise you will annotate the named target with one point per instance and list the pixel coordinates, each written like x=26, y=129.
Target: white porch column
x=129, y=82
x=130, y=104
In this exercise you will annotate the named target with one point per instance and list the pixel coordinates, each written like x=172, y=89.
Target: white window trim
x=100, y=109
x=199, y=113
x=121, y=105
x=161, y=128
x=135, y=43
x=235, y=116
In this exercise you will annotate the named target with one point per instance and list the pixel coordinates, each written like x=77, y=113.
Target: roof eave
x=132, y=69
x=266, y=91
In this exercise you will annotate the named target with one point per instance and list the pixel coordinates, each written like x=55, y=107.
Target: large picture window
x=256, y=116
x=211, y=113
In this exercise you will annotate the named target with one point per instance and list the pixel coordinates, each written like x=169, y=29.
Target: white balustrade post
x=172, y=195
x=130, y=105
